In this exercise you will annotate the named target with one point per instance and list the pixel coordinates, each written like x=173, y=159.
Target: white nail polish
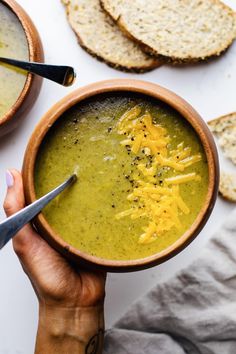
x=9, y=179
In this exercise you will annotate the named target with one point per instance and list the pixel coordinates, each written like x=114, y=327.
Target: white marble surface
x=210, y=88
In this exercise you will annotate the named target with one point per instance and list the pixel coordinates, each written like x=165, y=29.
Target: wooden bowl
x=150, y=90
x=33, y=83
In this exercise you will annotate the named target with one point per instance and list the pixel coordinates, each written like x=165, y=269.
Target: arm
x=71, y=316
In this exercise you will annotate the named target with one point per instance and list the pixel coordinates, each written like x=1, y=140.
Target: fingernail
x=9, y=179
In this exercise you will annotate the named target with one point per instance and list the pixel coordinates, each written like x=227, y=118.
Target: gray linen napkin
x=193, y=312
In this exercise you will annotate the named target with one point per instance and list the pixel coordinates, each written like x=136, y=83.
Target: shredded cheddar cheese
x=160, y=205
x=183, y=178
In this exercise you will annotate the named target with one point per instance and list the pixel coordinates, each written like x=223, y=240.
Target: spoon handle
x=10, y=226
x=63, y=75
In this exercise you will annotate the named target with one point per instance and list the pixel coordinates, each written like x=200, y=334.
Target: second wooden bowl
x=32, y=86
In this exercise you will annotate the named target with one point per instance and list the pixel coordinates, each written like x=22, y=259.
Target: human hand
x=64, y=292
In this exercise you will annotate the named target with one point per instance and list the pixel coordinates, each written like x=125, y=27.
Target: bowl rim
x=34, y=54
x=150, y=90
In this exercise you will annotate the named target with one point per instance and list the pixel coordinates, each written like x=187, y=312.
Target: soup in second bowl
x=142, y=176
x=13, y=44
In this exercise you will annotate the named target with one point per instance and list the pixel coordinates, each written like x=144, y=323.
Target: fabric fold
x=193, y=312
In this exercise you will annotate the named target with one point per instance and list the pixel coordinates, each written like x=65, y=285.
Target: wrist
x=68, y=329
x=60, y=321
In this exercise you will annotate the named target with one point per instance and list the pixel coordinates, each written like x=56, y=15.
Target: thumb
x=26, y=238
x=14, y=200
x=30, y=248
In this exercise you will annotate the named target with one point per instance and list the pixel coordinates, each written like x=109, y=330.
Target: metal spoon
x=10, y=226
x=63, y=75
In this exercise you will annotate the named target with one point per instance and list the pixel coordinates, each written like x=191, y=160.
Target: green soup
x=142, y=176
x=13, y=44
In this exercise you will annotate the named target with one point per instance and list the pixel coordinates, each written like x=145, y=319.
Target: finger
x=26, y=238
